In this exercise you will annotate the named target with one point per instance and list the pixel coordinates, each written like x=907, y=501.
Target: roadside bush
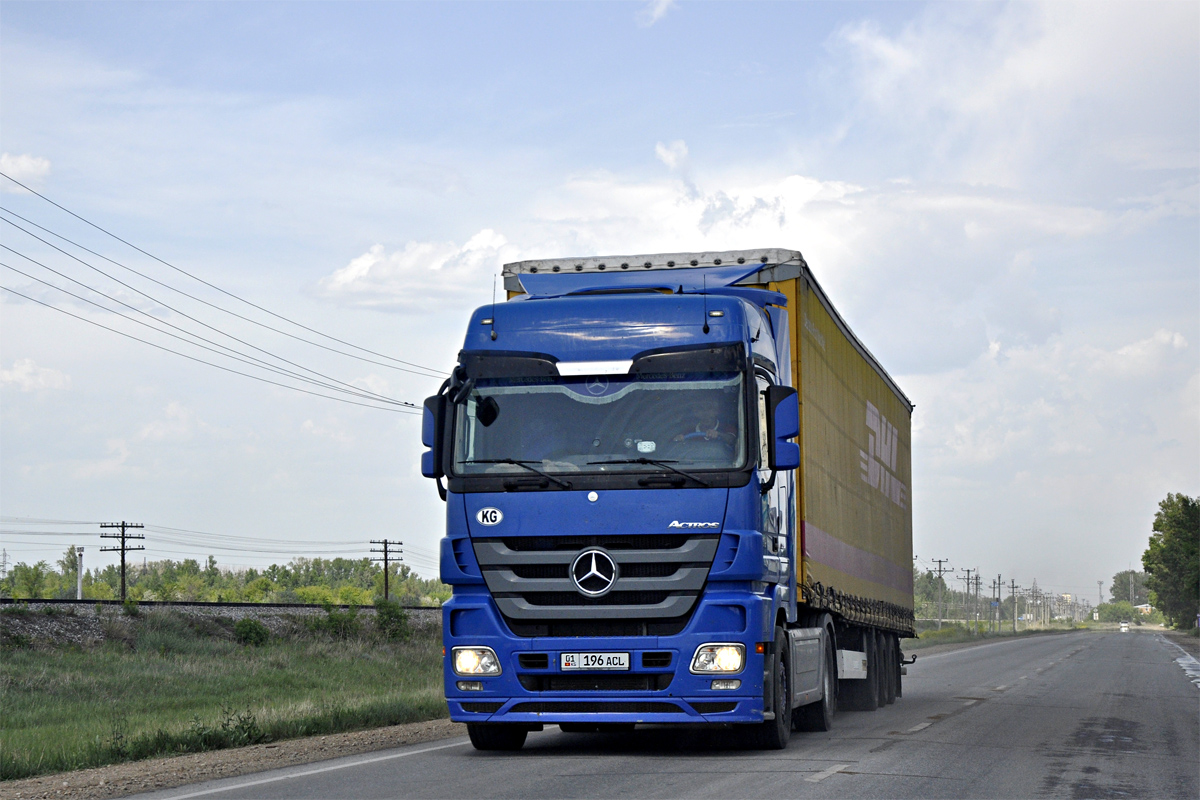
x=391, y=621
x=130, y=608
x=337, y=623
x=251, y=632
x=236, y=729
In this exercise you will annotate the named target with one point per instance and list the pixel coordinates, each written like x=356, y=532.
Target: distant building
x=1145, y=608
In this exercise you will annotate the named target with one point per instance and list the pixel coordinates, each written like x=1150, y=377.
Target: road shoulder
x=120, y=780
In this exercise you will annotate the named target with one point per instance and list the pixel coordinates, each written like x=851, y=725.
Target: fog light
x=477, y=686
x=719, y=658
x=475, y=661
x=727, y=684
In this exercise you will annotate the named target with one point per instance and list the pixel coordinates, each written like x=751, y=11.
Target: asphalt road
x=1082, y=715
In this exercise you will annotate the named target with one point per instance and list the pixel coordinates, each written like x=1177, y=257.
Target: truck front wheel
x=774, y=733
x=496, y=736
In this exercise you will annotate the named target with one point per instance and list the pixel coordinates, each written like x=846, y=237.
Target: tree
x=68, y=565
x=1121, y=585
x=1119, y=611
x=30, y=582
x=1173, y=559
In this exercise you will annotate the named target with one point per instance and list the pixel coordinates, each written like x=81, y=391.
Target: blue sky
x=1001, y=198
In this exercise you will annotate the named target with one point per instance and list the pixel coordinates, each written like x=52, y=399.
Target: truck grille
x=658, y=580
x=597, y=683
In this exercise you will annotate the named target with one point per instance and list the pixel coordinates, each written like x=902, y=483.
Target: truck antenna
x=493, y=319
x=704, y=279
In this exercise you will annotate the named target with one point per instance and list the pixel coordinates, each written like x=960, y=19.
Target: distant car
x=1124, y=627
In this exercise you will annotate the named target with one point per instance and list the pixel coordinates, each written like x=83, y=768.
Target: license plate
x=569, y=661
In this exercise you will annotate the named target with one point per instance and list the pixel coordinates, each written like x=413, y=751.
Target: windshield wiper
x=519, y=463
x=656, y=463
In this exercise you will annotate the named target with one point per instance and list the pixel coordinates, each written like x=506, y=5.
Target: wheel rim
x=784, y=701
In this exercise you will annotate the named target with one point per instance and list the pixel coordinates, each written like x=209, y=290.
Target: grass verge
x=165, y=684
x=956, y=634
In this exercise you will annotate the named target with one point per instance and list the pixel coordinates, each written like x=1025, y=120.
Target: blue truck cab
x=615, y=451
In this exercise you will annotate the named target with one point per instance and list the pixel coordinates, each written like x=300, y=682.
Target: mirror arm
x=441, y=489
x=766, y=487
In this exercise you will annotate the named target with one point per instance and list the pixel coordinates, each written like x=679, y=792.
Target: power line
x=434, y=374
x=38, y=521
x=206, y=283
x=202, y=361
x=236, y=356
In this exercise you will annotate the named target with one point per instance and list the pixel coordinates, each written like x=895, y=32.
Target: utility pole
x=965, y=596
x=387, y=557
x=1099, y=592
x=79, y=574
x=3, y=564
x=978, y=588
x=1013, y=594
x=999, y=587
x=124, y=548
x=941, y=586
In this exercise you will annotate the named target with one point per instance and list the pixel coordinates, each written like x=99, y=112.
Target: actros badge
x=594, y=572
x=489, y=516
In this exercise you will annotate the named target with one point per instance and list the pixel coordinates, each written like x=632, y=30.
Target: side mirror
x=432, y=429
x=783, y=423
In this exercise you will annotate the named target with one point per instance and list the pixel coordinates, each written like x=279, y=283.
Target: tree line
x=343, y=581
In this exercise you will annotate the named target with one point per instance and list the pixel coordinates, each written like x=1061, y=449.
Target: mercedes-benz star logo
x=594, y=572
x=597, y=386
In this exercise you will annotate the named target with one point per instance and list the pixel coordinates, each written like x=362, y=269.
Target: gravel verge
x=121, y=780
x=1186, y=641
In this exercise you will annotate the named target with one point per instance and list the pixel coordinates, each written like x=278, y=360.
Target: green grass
x=954, y=634
x=162, y=684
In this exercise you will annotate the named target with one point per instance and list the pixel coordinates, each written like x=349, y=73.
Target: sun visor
x=725, y=357
x=501, y=364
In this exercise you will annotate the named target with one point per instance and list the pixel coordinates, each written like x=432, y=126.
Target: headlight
x=719, y=658
x=475, y=661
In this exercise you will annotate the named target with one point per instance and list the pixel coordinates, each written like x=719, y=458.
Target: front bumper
x=657, y=688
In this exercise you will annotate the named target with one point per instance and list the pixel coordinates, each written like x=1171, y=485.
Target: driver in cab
x=706, y=422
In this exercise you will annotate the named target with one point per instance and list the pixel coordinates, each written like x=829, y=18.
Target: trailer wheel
x=496, y=736
x=891, y=666
x=775, y=733
x=818, y=716
x=883, y=675
x=861, y=694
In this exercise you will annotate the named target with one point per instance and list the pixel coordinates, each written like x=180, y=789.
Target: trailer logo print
x=594, y=572
x=878, y=462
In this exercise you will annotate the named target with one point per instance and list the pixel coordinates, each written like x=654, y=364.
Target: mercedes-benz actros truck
x=678, y=490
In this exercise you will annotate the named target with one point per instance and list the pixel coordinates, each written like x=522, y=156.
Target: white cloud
x=674, y=155
x=1003, y=98
x=28, y=376
x=176, y=425
x=422, y=277
x=1019, y=407
x=106, y=467
x=654, y=10
x=333, y=433
x=24, y=168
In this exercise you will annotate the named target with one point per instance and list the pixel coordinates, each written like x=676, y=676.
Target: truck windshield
x=602, y=424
